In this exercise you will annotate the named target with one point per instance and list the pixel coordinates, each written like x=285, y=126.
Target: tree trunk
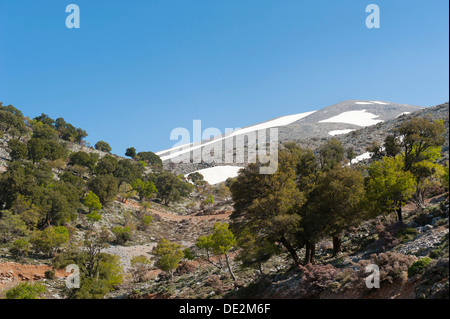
x=229, y=267
x=419, y=199
x=260, y=268
x=307, y=251
x=313, y=253
x=291, y=250
x=310, y=252
x=336, y=245
x=399, y=215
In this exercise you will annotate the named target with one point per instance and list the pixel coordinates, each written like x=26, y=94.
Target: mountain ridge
x=316, y=124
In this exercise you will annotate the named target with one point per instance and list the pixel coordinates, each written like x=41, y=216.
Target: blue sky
x=137, y=69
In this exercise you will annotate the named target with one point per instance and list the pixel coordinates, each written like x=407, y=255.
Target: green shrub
x=188, y=254
x=103, y=146
x=418, y=267
x=20, y=247
x=26, y=290
x=435, y=253
x=50, y=239
x=94, y=217
x=50, y=274
x=123, y=234
x=406, y=234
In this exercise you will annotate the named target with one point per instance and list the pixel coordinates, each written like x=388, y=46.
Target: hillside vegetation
x=310, y=230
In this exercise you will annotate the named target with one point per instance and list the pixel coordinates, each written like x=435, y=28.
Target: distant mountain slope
x=334, y=120
x=347, y=115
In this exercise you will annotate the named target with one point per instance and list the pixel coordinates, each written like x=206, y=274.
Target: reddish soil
x=13, y=273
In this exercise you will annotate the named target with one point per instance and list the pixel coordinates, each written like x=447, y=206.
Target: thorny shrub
x=316, y=279
x=392, y=266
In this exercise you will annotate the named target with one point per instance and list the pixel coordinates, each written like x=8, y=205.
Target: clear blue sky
x=137, y=69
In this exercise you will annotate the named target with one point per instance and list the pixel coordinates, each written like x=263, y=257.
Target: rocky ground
x=331, y=277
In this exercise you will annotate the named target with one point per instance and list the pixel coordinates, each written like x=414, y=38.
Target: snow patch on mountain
x=378, y=102
x=362, y=157
x=339, y=132
x=359, y=118
x=281, y=121
x=404, y=113
x=219, y=174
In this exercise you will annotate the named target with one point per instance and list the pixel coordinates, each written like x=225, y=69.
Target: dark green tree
x=107, y=165
x=266, y=205
x=336, y=201
x=84, y=159
x=103, y=146
x=331, y=154
x=18, y=149
x=171, y=188
x=106, y=187
x=12, y=121
x=36, y=149
x=131, y=152
x=150, y=158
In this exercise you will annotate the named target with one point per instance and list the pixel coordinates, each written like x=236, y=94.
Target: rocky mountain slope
x=424, y=233
x=355, y=122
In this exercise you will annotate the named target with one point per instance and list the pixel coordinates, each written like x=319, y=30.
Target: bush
x=106, y=187
x=392, y=267
x=50, y=274
x=20, y=247
x=418, y=267
x=150, y=158
x=94, y=217
x=50, y=239
x=434, y=280
x=168, y=256
x=18, y=150
x=141, y=266
x=84, y=159
x=123, y=234
x=11, y=226
x=406, y=234
x=317, y=278
x=26, y=290
x=103, y=146
x=188, y=254
x=145, y=219
x=436, y=253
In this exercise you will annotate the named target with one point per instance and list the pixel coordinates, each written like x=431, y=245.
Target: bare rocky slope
x=314, y=129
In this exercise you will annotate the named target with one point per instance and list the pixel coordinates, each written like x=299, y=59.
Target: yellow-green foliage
x=26, y=290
